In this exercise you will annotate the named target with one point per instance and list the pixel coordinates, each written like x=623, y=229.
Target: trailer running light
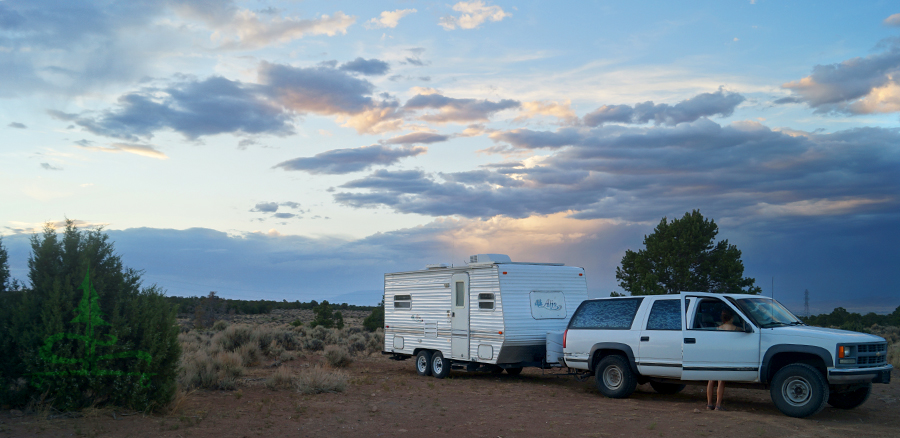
x=504, y=272
x=387, y=326
x=580, y=275
x=500, y=332
x=565, y=335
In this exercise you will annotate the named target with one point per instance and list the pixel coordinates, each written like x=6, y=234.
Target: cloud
x=341, y=161
x=17, y=125
x=369, y=67
x=137, y=149
x=417, y=138
x=893, y=20
x=633, y=173
x=457, y=110
x=472, y=15
x=192, y=108
x=47, y=166
x=243, y=29
x=265, y=207
x=562, y=111
x=855, y=86
x=388, y=19
x=720, y=103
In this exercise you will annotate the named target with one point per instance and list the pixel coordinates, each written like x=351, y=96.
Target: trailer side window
x=402, y=301
x=486, y=301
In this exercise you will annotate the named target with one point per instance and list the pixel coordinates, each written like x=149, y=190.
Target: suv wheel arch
x=603, y=349
x=779, y=356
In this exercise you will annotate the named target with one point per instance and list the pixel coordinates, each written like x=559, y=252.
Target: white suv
x=668, y=340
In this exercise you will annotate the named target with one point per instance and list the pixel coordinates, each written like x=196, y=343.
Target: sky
x=299, y=149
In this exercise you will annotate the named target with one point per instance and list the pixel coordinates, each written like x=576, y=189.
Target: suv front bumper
x=854, y=375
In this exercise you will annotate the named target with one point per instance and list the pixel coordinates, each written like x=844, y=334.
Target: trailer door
x=459, y=317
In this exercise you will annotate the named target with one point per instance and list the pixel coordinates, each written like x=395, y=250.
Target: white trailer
x=488, y=315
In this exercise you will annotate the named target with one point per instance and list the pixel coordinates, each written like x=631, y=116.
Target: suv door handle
x=690, y=340
x=645, y=338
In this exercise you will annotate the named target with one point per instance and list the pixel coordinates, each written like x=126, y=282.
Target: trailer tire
x=423, y=363
x=799, y=390
x=850, y=399
x=614, y=378
x=440, y=367
x=515, y=371
x=666, y=388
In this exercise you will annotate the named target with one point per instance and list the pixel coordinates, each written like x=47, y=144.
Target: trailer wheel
x=423, y=363
x=799, y=390
x=440, y=367
x=514, y=371
x=666, y=388
x=614, y=378
x=850, y=399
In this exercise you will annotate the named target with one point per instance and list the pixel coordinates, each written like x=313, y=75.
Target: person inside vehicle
x=727, y=324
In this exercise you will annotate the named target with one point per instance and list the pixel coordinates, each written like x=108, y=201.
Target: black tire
x=514, y=371
x=496, y=370
x=850, y=399
x=440, y=366
x=666, y=388
x=799, y=390
x=614, y=377
x=423, y=363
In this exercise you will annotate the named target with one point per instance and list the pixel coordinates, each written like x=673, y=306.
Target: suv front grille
x=871, y=355
x=870, y=360
x=871, y=348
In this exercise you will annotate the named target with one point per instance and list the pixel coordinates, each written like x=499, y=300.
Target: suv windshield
x=767, y=312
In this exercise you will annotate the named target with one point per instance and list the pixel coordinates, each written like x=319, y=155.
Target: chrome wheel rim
x=612, y=377
x=796, y=391
x=422, y=364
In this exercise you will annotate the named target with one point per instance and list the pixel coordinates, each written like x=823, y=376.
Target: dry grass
x=282, y=377
x=317, y=380
x=892, y=335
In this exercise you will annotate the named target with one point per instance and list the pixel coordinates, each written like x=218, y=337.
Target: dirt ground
x=387, y=398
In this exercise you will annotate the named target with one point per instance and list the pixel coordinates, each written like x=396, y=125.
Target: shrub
x=375, y=320
x=313, y=344
x=357, y=344
x=338, y=357
x=327, y=317
x=83, y=296
x=282, y=377
x=220, y=325
x=317, y=380
x=319, y=333
x=296, y=323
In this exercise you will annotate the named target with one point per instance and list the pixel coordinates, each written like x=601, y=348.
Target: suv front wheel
x=799, y=390
x=614, y=377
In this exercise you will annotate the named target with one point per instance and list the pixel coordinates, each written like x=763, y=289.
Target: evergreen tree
x=682, y=255
x=375, y=320
x=4, y=267
x=64, y=269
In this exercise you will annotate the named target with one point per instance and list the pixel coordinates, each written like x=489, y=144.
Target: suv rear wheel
x=799, y=390
x=850, y=399
x=614, y=378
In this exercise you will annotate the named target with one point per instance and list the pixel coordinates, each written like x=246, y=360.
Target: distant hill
x=359, y=298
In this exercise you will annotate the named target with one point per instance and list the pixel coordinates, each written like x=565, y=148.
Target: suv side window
x=708, y=315
x=665, y=315
x=617, y=314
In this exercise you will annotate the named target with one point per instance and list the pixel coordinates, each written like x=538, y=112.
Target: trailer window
x=486, y=301
x=402, y=301
x=460, y=294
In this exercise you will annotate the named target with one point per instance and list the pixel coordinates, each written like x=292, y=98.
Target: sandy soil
x=387, y=398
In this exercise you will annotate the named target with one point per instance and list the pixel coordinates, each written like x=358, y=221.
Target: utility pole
x=806, y=302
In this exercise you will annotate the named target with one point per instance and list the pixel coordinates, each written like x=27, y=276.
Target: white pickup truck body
x=670, y=339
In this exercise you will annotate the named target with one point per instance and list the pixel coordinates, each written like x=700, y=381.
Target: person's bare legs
x=720, y=393
x=709, y=394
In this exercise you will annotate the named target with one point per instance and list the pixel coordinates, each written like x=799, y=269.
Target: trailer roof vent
x=490, y=258
x=436, y=266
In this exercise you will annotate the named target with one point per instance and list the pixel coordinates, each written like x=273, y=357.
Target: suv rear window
x=606, y=314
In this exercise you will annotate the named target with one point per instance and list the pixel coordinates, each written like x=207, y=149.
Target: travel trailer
x=490, y=314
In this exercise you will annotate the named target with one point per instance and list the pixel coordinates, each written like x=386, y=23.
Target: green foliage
x=682, y=255
x=189, y=305
x=843, y=319
x=4, y=268
x=95, y=316
x=375, y=320
x=296, y=323
x=327, y=317
x=617, y=294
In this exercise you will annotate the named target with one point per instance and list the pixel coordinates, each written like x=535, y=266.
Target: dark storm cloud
x=838, y=87
x=636, y=173
x=340, y=161
x=418, y=138
x=369, y=67
x=457, y=110
x=721, y=103
x=17, y=125
x=191, y=108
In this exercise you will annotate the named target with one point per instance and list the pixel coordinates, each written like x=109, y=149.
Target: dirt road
x=387, y=398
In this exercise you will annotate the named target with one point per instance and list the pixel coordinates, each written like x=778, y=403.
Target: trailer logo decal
x=548, y=304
